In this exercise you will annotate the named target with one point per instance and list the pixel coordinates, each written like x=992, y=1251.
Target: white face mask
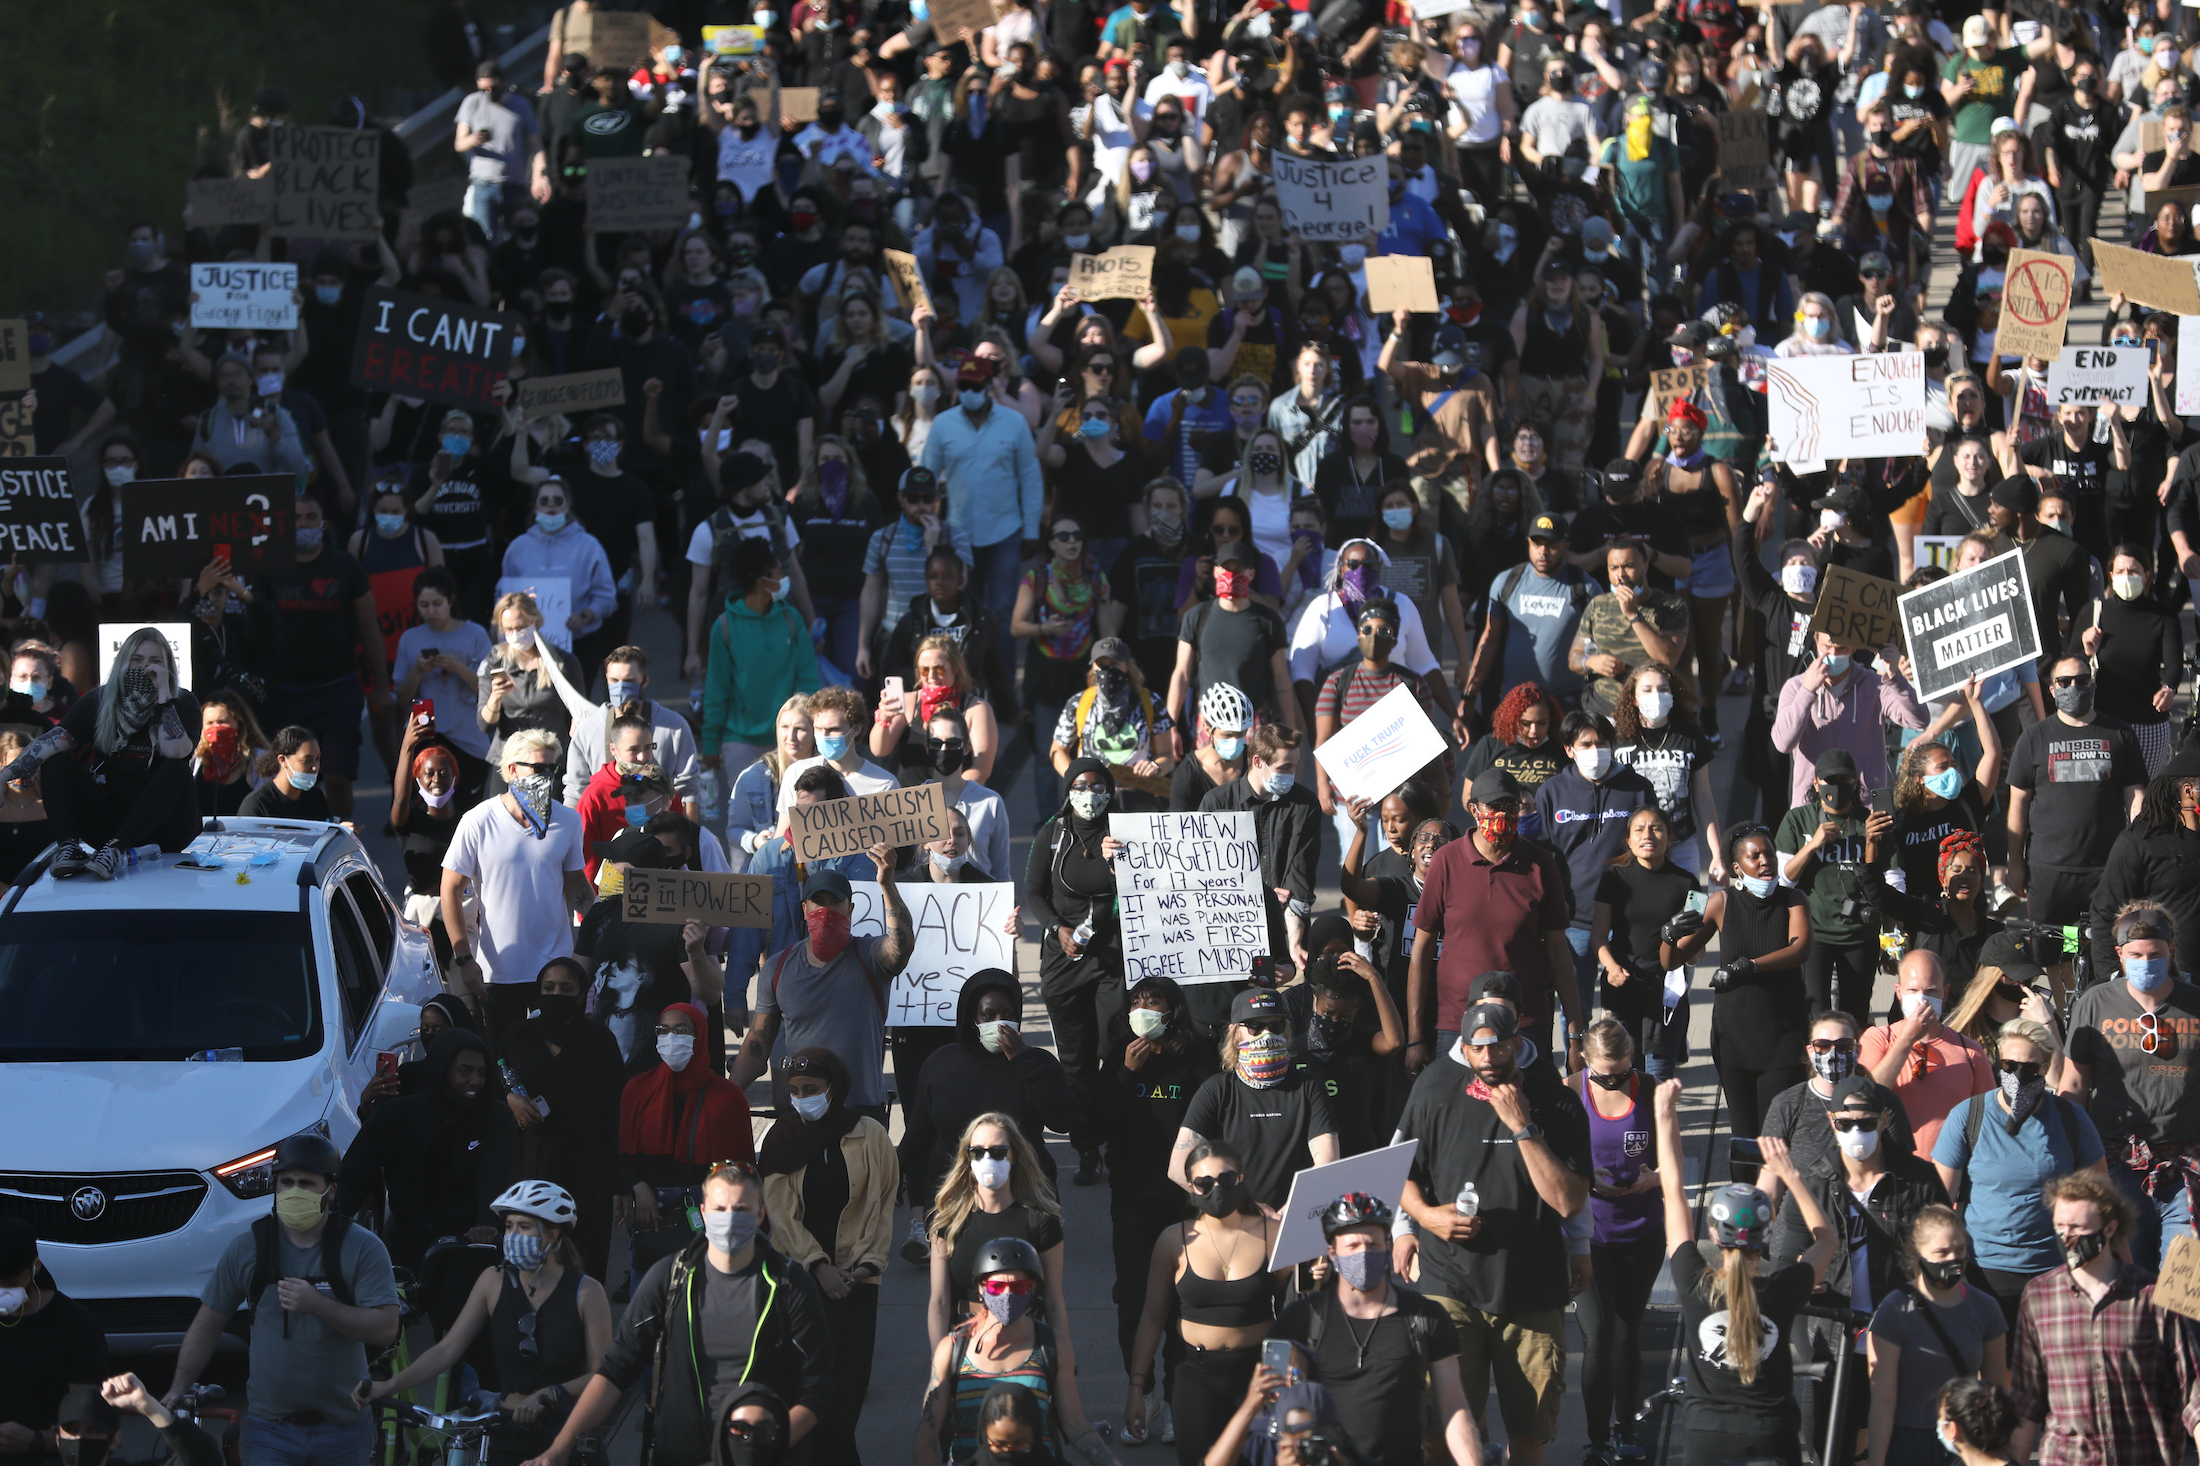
x=1594, y=763
x=1831, y=519
x=989, y=1034
x=2060, y=526
x=676, y=1049
x=2130, y=587
x=1911, y=1002
x=1145, y=1022
x=949, y=864
x=1798, y=579
x=1857, y=1145
x=523, y=637
x=13, y=1301
x=989, y=1173
x=436, y=801
x=1654, y=706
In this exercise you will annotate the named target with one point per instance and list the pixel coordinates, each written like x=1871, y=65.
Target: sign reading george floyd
x=1975, y=623
x=573, y=394
x=714, y=898
x=38, y=523
x=1189, y=902
x=891, y=817
x=325, y=182
x=178, y=526
x=421, y=346
x=1855, y=610
x=1122, y=273
x=244, y=296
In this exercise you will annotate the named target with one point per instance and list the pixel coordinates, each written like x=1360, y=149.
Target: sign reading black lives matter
x=420, y=346
x=178, y=526
x=38, y=523
x=1976, y=622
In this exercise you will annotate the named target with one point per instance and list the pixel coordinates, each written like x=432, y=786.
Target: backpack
x=724, y=536
x=1091, y=695
x=267, y=1262
x=1977, y=1122
x=1490, y=646
x=1420, y=1324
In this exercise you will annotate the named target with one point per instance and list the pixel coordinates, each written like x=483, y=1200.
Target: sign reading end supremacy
x=1188, y=891
x=1976, y=622
x=892, y=817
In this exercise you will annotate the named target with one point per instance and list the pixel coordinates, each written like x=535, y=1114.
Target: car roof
x=236, y=865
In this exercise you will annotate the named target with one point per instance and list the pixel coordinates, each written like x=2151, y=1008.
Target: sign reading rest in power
x=422, y=346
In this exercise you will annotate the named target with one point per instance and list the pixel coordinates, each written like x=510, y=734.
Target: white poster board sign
x=2188, y=366
x=961, y=930
x=554, y=597
x=1936, y=550
x=1188, y=892
x=1976, y=622
x=1381, y=748
x=245, y=296
x=2103, y=375
x=1340, y=201
x=112, y=634
x=1379, y=1173
x=1828, y=407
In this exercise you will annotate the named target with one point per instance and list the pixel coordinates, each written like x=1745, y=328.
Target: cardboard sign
x=1122, y=273
x=1976, y=621
x=572, y=394
x=733, y=40
x=325, y=182
x=245, y=295
x=17, y=437
x=1667, y=383
x=960, y=931
x=38, y=519
x=1381, y=748
x=1189, y=897
x=1856, y=610
x=2164, y=282
x=1341, y=202
x=714, y=898
x=218, y=203
x=2150, y=135
x=798, y=104
x=179, y=526
x=422, y=346
x=1745, y=144
x=2035, y=304
x=952, y=17
x=15, y=356
x=1825, y=407
x=1401, y=283
x=908, y=279
x=553, y=597
x=112, y=634
x=891, y=817
x=1377, y=1173
x=2105, y=375
x=2177, y=1286
x=638, y=193
x=2184, y=196
x=616, y=40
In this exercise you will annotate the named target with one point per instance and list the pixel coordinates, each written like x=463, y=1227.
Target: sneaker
x=107, y=864
x=1088, y=1168
x=1739, y=682
x=917, y=1246
x=1625, y=1449
x=1708, y=720
x=71, y=859
x=1168, y=1425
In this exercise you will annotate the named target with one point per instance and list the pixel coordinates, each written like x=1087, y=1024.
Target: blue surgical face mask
x=811, y=1106
x=549, y=523
x=637, y=815
x=1094, y=428
x=1280, y=784
x=1397, y=521
x=328, y=294
x=972, y=399
x=603, y=452
x=1231, y=749
x=622, y=693
x=391, y=525
x=833, y=745
x=456, y=444
x=2147, y=974
x=1913, y=93
x=1758, y=886
x=1836, y=663
x=304, y=781
x=1948, y=783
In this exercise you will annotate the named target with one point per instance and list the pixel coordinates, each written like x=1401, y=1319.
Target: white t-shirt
x=1193, y=90
x=520, y=880
x=752, y=527
x=828, y=148
x=454, y=705
x=747, y=164
x=1111, y=141
x=1552, y=123
x=1474, y=88
x=870, y=779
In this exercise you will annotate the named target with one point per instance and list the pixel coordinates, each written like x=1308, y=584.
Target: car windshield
x=119, y=985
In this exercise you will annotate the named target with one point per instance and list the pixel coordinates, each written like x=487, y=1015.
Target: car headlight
x=250, y=1177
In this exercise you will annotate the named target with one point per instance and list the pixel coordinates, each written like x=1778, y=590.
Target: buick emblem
x=88, y=1204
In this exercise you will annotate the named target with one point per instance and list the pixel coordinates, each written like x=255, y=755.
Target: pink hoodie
x=1845, y=715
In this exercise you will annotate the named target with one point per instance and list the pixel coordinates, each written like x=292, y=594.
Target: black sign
x=420, y=346
x=38, y=521
x=176, y=527
x=1977, y=621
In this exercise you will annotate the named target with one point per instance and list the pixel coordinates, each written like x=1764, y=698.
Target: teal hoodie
x=757, y=661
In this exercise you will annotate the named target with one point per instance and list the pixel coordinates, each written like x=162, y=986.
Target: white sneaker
x=917, y=1246
x=1168, y=1425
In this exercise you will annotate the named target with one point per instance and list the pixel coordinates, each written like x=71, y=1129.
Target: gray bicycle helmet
x=308, y=1152
x=1740, y=1216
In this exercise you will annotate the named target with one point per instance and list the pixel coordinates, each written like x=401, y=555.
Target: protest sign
x=1122, y=273
x=176, y=527
x=2188, y=366
x=733, y=40
x=638, y=193
x=612, y=40
x=325, y=182
x=15, y=356
x=2184, y=195
x=798, y=104
x=951, y=17
x=1382, y=748
x=1745, y=144
x=112, y=634
x=2164, y=282
x=2109, y=375
x=714, y=898
x=1188, y=896
x=1401, y=282
x=17, y=438
x=1342, y=202
x=245, y=296
x=423, y=346
x=1431, y=9
x=2035, y=304
x=1976, y=621
x=1377, y=1173
x=891, y=817
x=553, y=597
x=217, y=203
x=908, y=279
x=1667, y=383
x=1936, y=550
x=2177, y=1287
x=1870, y=406
x=960, y=930
x=1855, y=610
x=572, y=394
x=38, y=519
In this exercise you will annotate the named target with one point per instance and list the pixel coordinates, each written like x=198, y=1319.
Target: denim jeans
x=331, y=1443
x=998, y=569
x=2159, y=1222
x=486, y=204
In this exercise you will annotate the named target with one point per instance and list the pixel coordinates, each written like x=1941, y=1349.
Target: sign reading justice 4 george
x=420, y=346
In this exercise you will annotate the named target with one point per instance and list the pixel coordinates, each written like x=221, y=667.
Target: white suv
x=160, y=1032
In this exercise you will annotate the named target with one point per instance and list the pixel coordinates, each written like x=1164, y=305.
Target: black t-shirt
x=1041, y=1229
x=1144, y=577
x=1717, y=1398
x=1642, y=901
x=270, y=802
x=42, y=1354
x=613, y=508
x=1377, y=1377
x=320, y=627
x=1237, y=647
x=773, y=413
x=1669, y=757
x=1266, y=350
x=463, y=507
x=1918, y=833
x=134, y=760
x=2077, y=778
x=1902, y=107
x=1601, y=523
x=1269, y=1127
x=644, y=958
x=1353, y=1079
x=423, y=839
x=2082, y=140
x=1099, y=498
x=1797, y=1116
x=2082, y=473
x=696, y=310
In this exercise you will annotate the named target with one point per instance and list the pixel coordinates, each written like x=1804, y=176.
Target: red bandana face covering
x=828, y=931
x=1229, y=584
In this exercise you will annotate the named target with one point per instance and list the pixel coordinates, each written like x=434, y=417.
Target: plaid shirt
x=2117, y=1381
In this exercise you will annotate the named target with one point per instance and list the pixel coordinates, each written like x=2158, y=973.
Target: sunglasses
x=534, y=768
x=945, y=745
x=1833, y=1045
x=669, y=1032
x=1099, y=368
x=987, y=1152
x=1359, y=564
x=1205, y=1184
x=2025, y=1070
x=2153, y=1038
x=920, y=497
x=730, y=1168
x=1262, y=1025
x=746, y=1428
x=1069, y=537
x=998, y=1286
x=528, y=1348
x=1851, y=1127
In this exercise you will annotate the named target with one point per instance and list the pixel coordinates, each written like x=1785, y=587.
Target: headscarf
x=1349, y=597
x=792, y=1140
x=721, y=1446
x=1685, y=411
x=691, y=1115
x=1077, y=851
x=1079, y=827
x=1959, y=843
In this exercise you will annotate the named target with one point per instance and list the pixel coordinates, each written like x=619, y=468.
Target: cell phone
x=428, y=652
x=1743, y=1150
x=385, y=1066
x=890, y=693
x=1695, y=902
x=222, y=555
x=424, y=711
x=1276, y=1354
x=1264, y=972
x=1882, y=801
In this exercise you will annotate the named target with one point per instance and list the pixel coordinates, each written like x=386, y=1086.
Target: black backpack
x=267, y=1262
x=1977, y=1122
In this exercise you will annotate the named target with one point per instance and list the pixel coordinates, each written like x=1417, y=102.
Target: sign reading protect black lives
x=1974, y=623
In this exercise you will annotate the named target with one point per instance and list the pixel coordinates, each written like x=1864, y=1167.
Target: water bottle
x=137, y=854
x=1469, y=1203
x=713, y=796
x=1083, y=935
x=511, y=1082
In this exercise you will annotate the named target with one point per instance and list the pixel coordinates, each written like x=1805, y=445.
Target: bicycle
x=397, y=1445
x=202, y=1403
x=434, y=1439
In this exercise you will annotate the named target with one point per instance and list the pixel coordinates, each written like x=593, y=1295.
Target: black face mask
x=1222, y=1199
x=557, y=310
x=88, y=1450
x=752, y=1450
x=1836, y=795
x=1612, y=1081
x=1941, y=1274
x=1936, y=358
x=1326, y=1034
x=1113, y=682
x=559, y=1009
x=2083, y=1248
x=949, y=755
x=1883, y=138
x=634, y=324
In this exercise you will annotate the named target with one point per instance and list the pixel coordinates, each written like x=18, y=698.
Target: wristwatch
x=1530, y=1131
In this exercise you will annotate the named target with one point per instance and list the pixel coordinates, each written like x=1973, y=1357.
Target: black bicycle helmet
x=1007, y=1255
x=1740, y=1216
x=1354, y=1209
x=309, y=1152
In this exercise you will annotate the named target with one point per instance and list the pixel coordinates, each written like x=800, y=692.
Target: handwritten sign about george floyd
x=572, y=394
x=714, y=898
x=1340, y=202
x=960, y=931
x=1976, y=622
x=245, y=295
x=1122, y=273
x=891, y=817
x=179, y=526
x=421, y=346
x=1188, y=894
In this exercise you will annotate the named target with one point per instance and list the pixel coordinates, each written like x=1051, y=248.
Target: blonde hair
x=1608, y=1038
x=799, y=703
x=532, y=745
x=1734, y=1288
x=958, y=1194
x=958, y=669
x=526, y=605
x=2037, y=1034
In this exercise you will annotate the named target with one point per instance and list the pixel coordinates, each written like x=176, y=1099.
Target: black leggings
x=853, y=1323
x=1841, y=977
x=1611, y=1332
x=1210, y=1385
x=160, y=808
x=1717, y=1447
x=1135, y=1229
x=1081, y=997
x=1750, y=1090
x=2008, y=1290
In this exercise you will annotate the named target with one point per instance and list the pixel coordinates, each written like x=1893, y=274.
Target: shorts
x=332, y=711
x=1711, y=572
x=1523, y=1354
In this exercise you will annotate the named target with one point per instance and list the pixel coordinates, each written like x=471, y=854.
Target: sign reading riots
x=420, y=346
x=1975, y=623
x=38, y=522
x=891, y=817
x=176, y=527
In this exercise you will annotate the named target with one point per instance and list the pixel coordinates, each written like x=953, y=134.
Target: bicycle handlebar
x=415, y=1416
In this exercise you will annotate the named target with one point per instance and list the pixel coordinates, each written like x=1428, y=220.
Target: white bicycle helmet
x=1223, y=706
x=545, y=1201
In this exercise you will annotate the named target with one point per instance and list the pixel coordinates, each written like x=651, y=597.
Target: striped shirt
x=898, y=552
x=1351, y=690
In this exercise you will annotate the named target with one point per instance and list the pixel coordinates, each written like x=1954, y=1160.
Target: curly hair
x=1505, y=723
x=1627, y=714
x=1909, y=782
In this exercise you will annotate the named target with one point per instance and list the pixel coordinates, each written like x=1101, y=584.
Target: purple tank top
x=1619, y=1150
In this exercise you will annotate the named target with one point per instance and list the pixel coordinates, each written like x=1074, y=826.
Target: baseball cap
x=1492, y=785
x=648, y=776
x=1596, y=233
x=768, y=336
x=1494, y=985
x=1623, y=474
x=1544, y=527
x=2019, y=494
x=1842, y=498
x=827, y=883
x=1692, y=334
x=1875, y=263
x=1857, y=1092
x=742, y=471
x=975, y=371
x=1976, y=32
x=2001, y=124
x=1246, y=284
x=1254, y=1004
x=1836, y=763
x=1450, y=348
x=920, y=483
x=84, y=1405
x=1113, y=647
x=1495, y=1017
x=631, y=847
x=2013, y=959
